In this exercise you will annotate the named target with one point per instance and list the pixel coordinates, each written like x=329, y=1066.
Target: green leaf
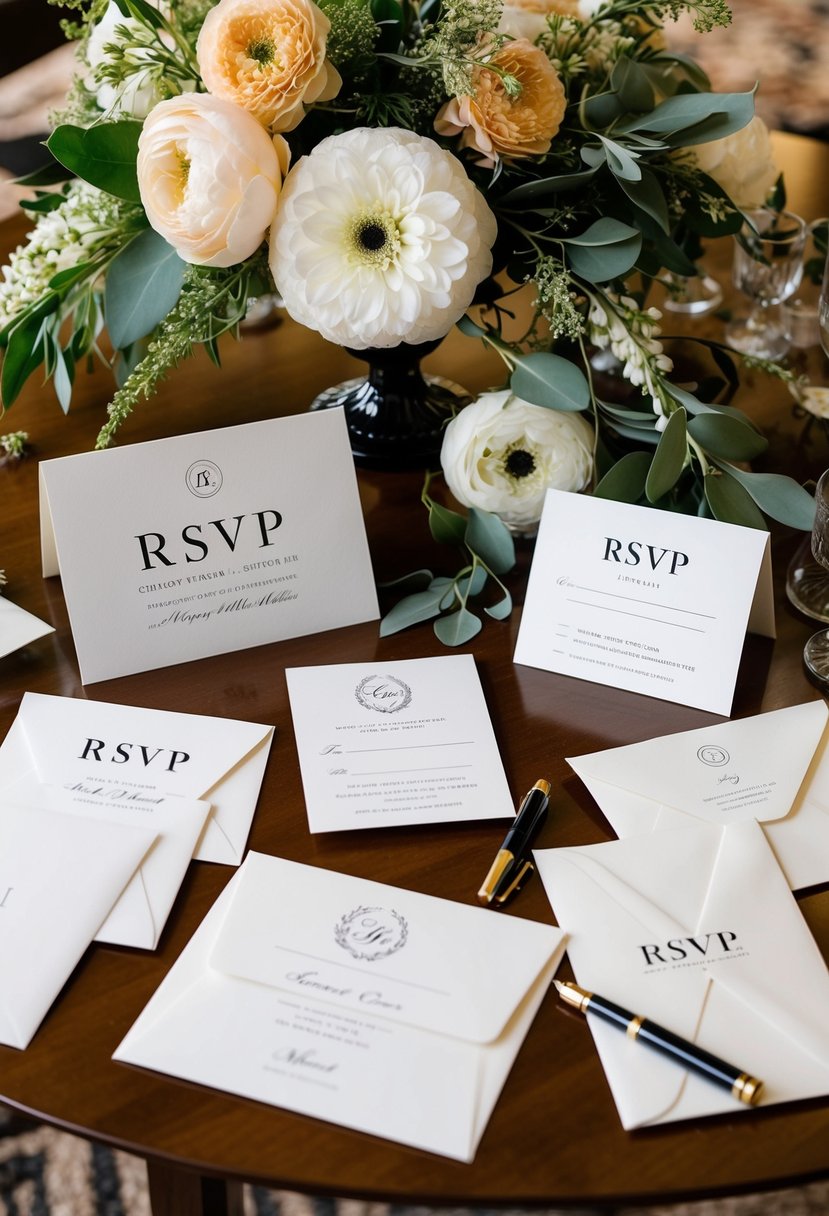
x=647, y=195
x=545, y=188
x=695, y=117
x=472, y=584
x=490, y=538
x=669, y=458
x=549, y=380
x=501, y=610
x=447, y=527
x=49, y=175
x=726, y=437
x=142, y=285
x=146, y=13
x=468, y=327
x=625, y=481
x=34, y=312
x=103, y=155
x=602, y=109
x=780, y=497
x=631, y=82
x=623, y=164
x=24, y=353
x=416, y=580
x=411, y=611
x=459, y=627
x=607, y=250
x=43, y=203
x=730, y=503
x=63, y=378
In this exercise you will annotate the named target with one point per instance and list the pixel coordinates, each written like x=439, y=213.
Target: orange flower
x=268, y=56
x=497, y=121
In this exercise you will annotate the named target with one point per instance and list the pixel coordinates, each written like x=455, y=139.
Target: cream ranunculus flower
x=380, y=238
x=269, y=57
x=502, y=454
x=209, y=177
x=498, y=123
x=742, y=163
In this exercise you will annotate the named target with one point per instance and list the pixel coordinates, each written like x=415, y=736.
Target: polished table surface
x=554, y=1137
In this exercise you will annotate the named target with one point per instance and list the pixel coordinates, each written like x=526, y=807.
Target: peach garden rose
x=268, y=56
x=499, y=122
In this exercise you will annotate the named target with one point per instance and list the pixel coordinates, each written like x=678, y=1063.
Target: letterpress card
x=650, y=601
x=202, y=544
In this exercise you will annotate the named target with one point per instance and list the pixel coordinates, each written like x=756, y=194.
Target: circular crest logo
x=371, y=933
x=386, y=694
x=203, y=478
x=712, y=755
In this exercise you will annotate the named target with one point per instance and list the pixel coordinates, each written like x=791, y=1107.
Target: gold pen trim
x=633, y=1027
x=502, y=860
x=747, y=1089
x=579, y=998
x=526, y=869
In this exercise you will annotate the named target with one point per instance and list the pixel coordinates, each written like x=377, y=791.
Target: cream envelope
x=141, y=911
x=350, y=1001
x=18, y=627
x=59, y=877
x=772, y=767
x=696, y=929
x=60, y=740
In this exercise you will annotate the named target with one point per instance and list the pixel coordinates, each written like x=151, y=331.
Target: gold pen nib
x=573, y=995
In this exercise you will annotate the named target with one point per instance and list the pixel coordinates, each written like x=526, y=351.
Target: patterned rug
x=48, y=1173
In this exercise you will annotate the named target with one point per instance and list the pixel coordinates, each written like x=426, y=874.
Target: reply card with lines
x=387, y=744
x=646, y=600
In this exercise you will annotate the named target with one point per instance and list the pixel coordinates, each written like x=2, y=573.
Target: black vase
x=395, y=416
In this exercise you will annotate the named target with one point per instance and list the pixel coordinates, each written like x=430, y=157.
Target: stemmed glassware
x=768, y=267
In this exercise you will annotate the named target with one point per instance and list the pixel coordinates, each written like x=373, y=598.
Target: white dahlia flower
x=502, y=454
x=380, y=238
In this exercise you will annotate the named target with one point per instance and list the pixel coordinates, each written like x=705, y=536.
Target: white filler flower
x=380, y=238
x=502, y=454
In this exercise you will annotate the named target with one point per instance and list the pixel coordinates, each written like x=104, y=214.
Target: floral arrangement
x=383, y=165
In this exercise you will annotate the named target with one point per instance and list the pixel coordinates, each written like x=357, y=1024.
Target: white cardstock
x=393, y=743
x=696, y=929
x=772, y=767
x=19, y=627
x=351, y=1001
x=59, y=877
x=118, y=750
x=650, y=601
x=202, y=544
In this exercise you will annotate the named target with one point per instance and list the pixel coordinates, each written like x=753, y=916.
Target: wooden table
x=554, y=1137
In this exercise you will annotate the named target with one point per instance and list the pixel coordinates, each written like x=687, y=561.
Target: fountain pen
x=511, y=865
x=744, y=1087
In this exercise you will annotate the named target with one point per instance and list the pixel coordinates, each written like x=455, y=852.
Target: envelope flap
x=179, y=753
x=383, y=951
x=750, y=768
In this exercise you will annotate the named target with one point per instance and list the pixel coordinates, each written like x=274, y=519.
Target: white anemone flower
x=502, y=454
x=380, y=238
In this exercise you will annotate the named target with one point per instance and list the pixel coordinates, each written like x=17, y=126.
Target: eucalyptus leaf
x=411, y=610
x=472, y=584
x=625, y=481
x=647, y=195
x=545, y=188
x=447, y=527
x=638, y=435
x=549, y=380
x=142, y=285
x=607, y=250
x=725, y=437
x=631, y=82
x=501, y=610
x=103, y=155
x=730, y=502
x=623, y=164
x=669, y=458
x=468, y=327
x=602, y=109
x=701, y=116
x=459, y=627
x=490, y=538
x=779, y=497
x=415, y=580
x=63, y=377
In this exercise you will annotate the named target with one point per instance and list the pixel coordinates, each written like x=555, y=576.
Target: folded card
x=140, y=913
x=397, y=743
x=66, y=741
x=59, y=877
x=18, y=627
x=773, y=767
x=350, y=1001
x=207, y=543
x=696, y=929
x=650, y=601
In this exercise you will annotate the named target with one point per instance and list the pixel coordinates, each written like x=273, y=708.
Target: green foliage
x=142, y=286
x=103, y=155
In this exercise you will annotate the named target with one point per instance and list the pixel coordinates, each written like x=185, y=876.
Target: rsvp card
x=203, y=544
x=386, y=744
x=650, y=601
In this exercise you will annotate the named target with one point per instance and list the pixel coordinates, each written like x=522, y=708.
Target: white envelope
x=350, y=1001
x=773, y=767
x=59, y=877
x=141, y=911
x=695, y=929
x=55, y=740
x=18, y=627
